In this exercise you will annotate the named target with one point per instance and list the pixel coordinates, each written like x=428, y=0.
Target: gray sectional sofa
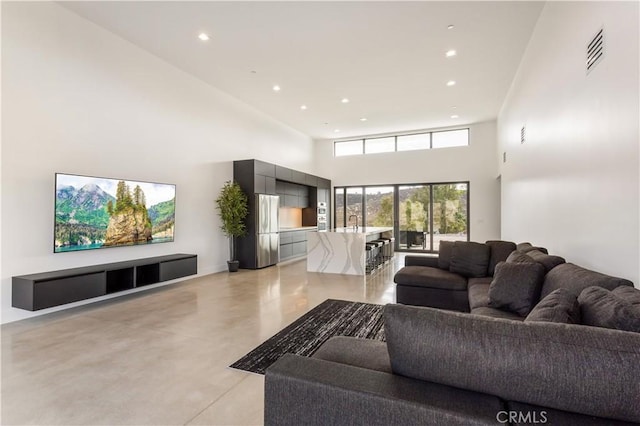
x=505, y=362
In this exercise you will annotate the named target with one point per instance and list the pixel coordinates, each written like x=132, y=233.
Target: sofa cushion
x=364, y=353
x=603, y=308
x=470, y=259
x=500, y=250
x=496, y=313
x=547, y=260
x=519, y=257
x=421, y=276
x=559, y=306
x=629, y=294
x=527, y=247
x=569, y=367
x=444, y=254
x=478, y=296
x=575, y=279
x=516, y=287
x=522, y=246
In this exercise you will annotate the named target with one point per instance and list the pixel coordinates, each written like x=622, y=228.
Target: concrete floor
x=161, y=357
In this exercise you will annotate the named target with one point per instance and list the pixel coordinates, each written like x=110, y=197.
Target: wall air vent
x=522, y=134
x=595, y=50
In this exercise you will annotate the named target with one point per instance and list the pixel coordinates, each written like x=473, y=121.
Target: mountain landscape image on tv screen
x=93, y=212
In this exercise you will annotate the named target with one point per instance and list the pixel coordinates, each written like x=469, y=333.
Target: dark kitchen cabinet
x=295, y=189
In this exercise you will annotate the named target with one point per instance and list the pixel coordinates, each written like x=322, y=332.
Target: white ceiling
x=387, y=58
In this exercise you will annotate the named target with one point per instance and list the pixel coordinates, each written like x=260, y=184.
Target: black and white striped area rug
x=306, y=334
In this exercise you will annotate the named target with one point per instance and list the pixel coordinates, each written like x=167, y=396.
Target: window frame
x=396, y=216
x=363, y=141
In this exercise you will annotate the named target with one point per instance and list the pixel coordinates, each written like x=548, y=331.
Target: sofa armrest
x=421, y=261
x=308, y=391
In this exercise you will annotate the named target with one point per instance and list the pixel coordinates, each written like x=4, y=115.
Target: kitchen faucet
x=356, y=225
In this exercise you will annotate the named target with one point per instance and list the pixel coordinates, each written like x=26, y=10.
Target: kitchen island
x=342, y=250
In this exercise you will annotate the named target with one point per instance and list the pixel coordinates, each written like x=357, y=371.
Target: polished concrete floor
x=161, y=357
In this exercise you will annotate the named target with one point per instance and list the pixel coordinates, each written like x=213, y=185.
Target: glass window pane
x=374, y=146
x=379, y=204
x=449, y=213
x=348, y=148
x=413, y=142
x=354, y=206
x=339, y=202
x=413, y=209
x=451, y=138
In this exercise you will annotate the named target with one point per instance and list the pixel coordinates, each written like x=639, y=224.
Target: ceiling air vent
x=595, y=50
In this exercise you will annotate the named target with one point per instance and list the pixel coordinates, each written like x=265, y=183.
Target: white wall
x=77, y=99
x=573, y=185
x=476, y=163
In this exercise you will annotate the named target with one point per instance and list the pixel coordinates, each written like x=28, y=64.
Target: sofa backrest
x=576, y=278
x=569, y=367
x=500, y=250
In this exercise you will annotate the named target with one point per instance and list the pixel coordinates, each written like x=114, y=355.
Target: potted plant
x=232, y=209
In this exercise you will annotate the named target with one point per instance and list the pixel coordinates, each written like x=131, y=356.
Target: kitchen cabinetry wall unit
x=293, y=243
x=292, y=194
x=296, y=189
x=48, y=289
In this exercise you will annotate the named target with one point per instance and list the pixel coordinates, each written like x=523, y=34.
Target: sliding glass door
x=450, y=213
x=414, y=217
x=379, y=202
x=421, y=215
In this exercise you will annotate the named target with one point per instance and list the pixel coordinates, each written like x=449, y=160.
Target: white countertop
x=365, y=230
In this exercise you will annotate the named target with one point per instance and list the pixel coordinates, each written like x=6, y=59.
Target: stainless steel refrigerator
x=267, y=230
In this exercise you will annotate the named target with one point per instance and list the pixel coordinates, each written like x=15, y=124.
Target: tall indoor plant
x=232, y=205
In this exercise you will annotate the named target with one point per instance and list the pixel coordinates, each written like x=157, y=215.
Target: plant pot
x=233, y=265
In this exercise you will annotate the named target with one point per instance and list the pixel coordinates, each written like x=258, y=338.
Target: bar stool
x=382, y=246
x=371, y=249
x=388, y=248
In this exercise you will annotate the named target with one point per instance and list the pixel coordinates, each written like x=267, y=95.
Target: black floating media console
x=48, y=289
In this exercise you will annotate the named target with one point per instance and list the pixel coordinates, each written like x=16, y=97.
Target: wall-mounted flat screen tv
x=93, y=212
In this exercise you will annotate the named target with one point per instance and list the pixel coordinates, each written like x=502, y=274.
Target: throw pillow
x=547, y=260
x=444, y=256
x=470, y=259
x=500, y=251
x=516, y=287
x=628, y=293
x=559, y=306
x=519, y=257
x=527, y=247
x=600, y=307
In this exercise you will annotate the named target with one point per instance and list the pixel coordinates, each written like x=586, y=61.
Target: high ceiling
x=387, y=58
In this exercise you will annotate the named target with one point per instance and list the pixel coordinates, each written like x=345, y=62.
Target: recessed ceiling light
x=451, y=83
x=345, y=101
x=450, y=26
x=203, y=37
x=454, y=116
x=336, y=131
x=363, y=119
x=303, y=107
x=276, y=88
x=454, y=107
x=451, y=53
